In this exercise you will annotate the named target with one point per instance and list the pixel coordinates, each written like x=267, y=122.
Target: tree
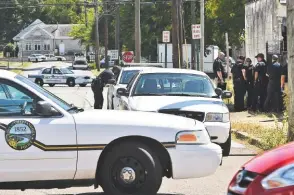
x=225, y=16
x=290, y=34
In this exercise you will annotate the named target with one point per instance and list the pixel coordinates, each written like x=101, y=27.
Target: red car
x=271, y=173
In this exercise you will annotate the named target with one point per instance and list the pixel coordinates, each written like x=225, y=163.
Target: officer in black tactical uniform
x=98, y=85
x=249, y=69
x=219, y=71
x=274, y=72
x=260, y=83
x=238, y=73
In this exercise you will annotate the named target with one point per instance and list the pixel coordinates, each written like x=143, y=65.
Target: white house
x=43, y=38
x=265, y=27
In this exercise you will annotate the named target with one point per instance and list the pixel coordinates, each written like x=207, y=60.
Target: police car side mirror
x=122, y=92
x=43, y=108
x=218, y=91
x=111, y=82
x=226, y=94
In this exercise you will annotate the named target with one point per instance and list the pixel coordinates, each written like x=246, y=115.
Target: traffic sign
x=128, y=56
x=166, y=36
x=113, y=54
x=196, y=31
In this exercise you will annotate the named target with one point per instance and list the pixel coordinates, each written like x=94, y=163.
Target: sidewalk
x=260, y=119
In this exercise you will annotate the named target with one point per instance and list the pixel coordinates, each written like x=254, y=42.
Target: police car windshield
x=174, y=84
x=66, y=71
x=44, y=92
x=126, y=76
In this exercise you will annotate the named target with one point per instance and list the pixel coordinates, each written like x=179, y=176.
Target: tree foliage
x=221, y=16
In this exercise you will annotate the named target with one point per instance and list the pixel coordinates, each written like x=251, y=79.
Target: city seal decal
x=20, y=135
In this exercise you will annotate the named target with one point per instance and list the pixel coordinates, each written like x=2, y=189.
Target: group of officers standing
x=264, y=83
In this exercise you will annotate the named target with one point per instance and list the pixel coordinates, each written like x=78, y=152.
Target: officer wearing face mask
x=274, y=73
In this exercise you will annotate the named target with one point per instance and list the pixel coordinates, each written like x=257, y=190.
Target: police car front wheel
x=131, y=168
x=71, y=82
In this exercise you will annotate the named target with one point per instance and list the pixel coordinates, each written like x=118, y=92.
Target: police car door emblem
x=20, y=135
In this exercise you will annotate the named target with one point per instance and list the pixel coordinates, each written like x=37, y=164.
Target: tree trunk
x=175, y=33
x=290, y=35
x=106, y=41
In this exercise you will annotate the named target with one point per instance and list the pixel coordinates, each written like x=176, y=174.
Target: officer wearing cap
x=249, y=69
x=239, y=78
x=260, y=83
x=274, y=72
x=219, y=71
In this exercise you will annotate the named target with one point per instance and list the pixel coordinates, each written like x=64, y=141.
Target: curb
x=244, y=136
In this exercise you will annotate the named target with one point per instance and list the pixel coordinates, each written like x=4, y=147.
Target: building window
x=46, y=47
x=37, y=47
x=28, y=47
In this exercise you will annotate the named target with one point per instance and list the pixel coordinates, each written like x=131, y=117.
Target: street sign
x=128, y=56
x=166, y=36
x=196, y=31
x=113, y=54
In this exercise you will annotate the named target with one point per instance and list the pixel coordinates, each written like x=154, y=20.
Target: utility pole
x=138, y=31
x=117, y=31
x=202, y=47
x=181, y=36
x=228, y=54
x=86, y=23
x=175, y=33
x=290, y=35
x=106, y=35
x=97, y=53
x=193, y=45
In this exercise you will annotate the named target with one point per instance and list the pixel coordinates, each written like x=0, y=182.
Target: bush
x=276, y=136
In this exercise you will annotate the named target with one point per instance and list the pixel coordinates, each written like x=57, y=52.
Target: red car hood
x=269, y=161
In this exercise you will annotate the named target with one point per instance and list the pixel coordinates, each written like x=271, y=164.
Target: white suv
x=80, y=63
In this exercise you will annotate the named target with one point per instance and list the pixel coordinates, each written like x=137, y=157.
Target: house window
x=46, y=47
x=37, y=47
x=28, y=47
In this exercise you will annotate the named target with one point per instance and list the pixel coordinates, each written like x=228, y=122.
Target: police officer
x=238, y=73
x=274, y=72
x=260, y=83
x=98, y=85
x=248, y=66
x=219, y=71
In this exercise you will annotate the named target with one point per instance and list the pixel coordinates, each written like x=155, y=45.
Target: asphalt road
x=212, y=185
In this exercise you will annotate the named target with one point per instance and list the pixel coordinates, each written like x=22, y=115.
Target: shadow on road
x=101, y=193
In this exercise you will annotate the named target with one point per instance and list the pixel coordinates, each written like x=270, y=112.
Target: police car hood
x=156, y=103
x=130, y=118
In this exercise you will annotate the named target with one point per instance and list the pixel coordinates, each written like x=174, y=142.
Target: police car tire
x=147, y=160
x=71, y=84
x=39, y=82
x=83, y=85
x=227, y=146
x=51, y=85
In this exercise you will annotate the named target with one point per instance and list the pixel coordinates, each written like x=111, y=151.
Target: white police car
x=56, y=75
x=181, y=92
x=47, y=143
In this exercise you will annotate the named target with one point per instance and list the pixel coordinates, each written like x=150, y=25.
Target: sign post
x=165, y=39
x=196, y=35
